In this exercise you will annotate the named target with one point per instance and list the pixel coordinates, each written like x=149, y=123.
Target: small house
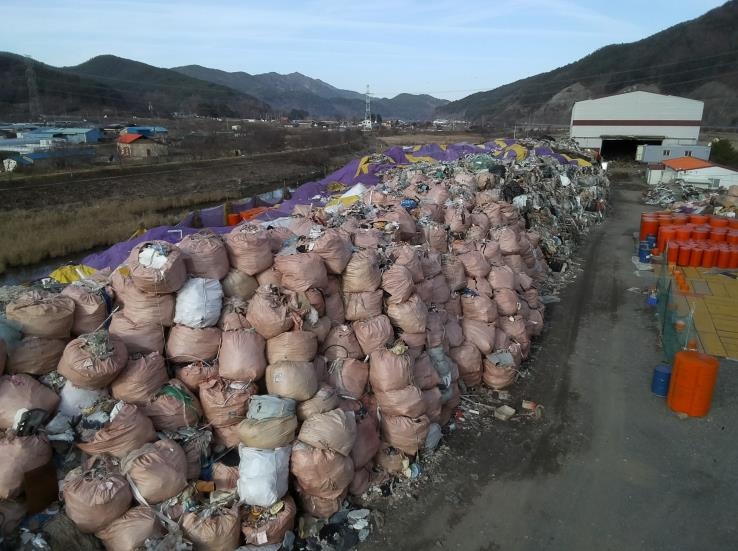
x=138, y=146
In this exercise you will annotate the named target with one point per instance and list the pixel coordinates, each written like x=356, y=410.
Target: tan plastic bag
x=139, y=339
x=173, y=407
x=241, y=355
x=195, y=373
x=333, y=430
x=349, y=376
x=479, y=307
x=23, y=391
x=95, y=498
x=187, y=344
x=205, y=255
x=469, y=360
x=362, y=272
x=373, y=333
x=480, y=334
x=128, y=430
x=157, y=471
x=34, y=355
x=140, y=307
x=301, y=271
x=42, y=314
x=407, y=401
x=90, y=309
x=219, y=532
x=321, y=472
x=268, y=312
x=225, y=403
x=341, y=342
x=296, y=380
x=249, y=249
x=131, y=530
x=20, y=454
x=367, y=441
x=424, y=374
x=160, y=280
x=410, y=316
x=361, y=306
x=334, y=249
x=272, y=530
x=433, y=400
x=140, y=379
x=93, y=361
x=390, y=369
x=270, y=433
x=324, y=400
x=398, y=282
x=404, y=433
x=292, y=346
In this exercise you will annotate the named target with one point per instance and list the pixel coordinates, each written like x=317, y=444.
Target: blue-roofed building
x=148, y=131
x=71, y=135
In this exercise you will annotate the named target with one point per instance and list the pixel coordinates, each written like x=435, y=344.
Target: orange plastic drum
x=723, y=257
x=693, y=376
x=679, y=218
x=718, y=234
x=233, y=219
x=672, y=252
x=708, y=257
x=649, y=225
x=733, y=223
x=685, y=251
x=701, y=233
x=683, y=233
x=733, y=263
x=732, y=237
x=695, y=259
x=699, y=218
x=666, y=234
x=718, y=222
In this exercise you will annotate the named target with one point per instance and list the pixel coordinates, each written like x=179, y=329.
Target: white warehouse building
x=617, y=125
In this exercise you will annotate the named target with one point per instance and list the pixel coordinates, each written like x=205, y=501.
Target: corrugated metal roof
x=129, y=138
x=687, y=163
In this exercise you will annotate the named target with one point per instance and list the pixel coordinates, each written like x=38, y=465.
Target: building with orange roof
x=697, y=172
x=139, y=146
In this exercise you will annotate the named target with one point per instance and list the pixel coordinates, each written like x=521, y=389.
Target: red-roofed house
x=691, y=170
x=138, y=146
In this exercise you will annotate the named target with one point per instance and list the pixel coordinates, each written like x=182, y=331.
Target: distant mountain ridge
x=318, y=98
x=697, y=59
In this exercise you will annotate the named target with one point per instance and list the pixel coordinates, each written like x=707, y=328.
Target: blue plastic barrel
x=644, y=252
x=660, y=381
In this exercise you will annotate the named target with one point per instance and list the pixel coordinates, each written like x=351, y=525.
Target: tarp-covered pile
x=328, y=346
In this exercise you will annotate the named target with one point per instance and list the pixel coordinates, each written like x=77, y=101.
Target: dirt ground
x=247, y=175
x=431, y=137
x=608, y=466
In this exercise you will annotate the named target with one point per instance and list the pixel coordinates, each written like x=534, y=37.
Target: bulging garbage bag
x=268, y=312
x=362, y=272
x=373, y=333
x=268, y=433
x=157, y=267
x=217, y=531
x=390, y=369
x=404, y=433
x=367, y=441
x=361, y=306
x=267, y=528
x=199, y=302
x=20, y=454
x=90, y=306
x=93, y=360
x=266, y=406
x=140, y=379
x=341, y=342
x=480, y=334
x=469, y=360
x=333, y=430
x=157, y=471
x=263, y=475
x=325, y=399
x=140, y=307
x=292, y=346
x=321, y=472
x=34, y=355
x=433, y=400
x=296, y=380
x=407, y=401
x=398, y=282
x=173, y=407
x=128, y=429
x=241, y=355
x=349, y=376
x=186, y=344
x=138, y=338
x=334, y=248
x=23, y=392
x=410, y=315
x=131, y=530
x=301, y=271
x=42, y=314
x=205, y=255
x=94, y=498
x=225, y=403
x=195, y=373
x=249, y=249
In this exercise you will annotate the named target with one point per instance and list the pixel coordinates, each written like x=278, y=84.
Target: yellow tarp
x=420, y=159
x=364, y=163
x=68, y=274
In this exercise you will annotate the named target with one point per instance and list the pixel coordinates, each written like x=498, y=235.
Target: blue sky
x=447, y=49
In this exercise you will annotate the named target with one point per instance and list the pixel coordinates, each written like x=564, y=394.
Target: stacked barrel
x=696, y=240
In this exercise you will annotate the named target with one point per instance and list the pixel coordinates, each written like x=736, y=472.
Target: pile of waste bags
x=204, y=394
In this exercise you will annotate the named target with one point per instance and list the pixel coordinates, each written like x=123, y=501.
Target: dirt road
x=609, y=467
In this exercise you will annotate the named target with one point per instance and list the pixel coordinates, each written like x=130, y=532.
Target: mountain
x=112, y=85
x=318, y=98
x=695, y=59
x=166, y=90
x=28, y=88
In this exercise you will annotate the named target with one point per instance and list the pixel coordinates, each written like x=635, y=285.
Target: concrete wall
x=701, y=176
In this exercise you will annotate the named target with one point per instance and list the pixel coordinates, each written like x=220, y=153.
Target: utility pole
x=368, y=110
x=34, y=100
